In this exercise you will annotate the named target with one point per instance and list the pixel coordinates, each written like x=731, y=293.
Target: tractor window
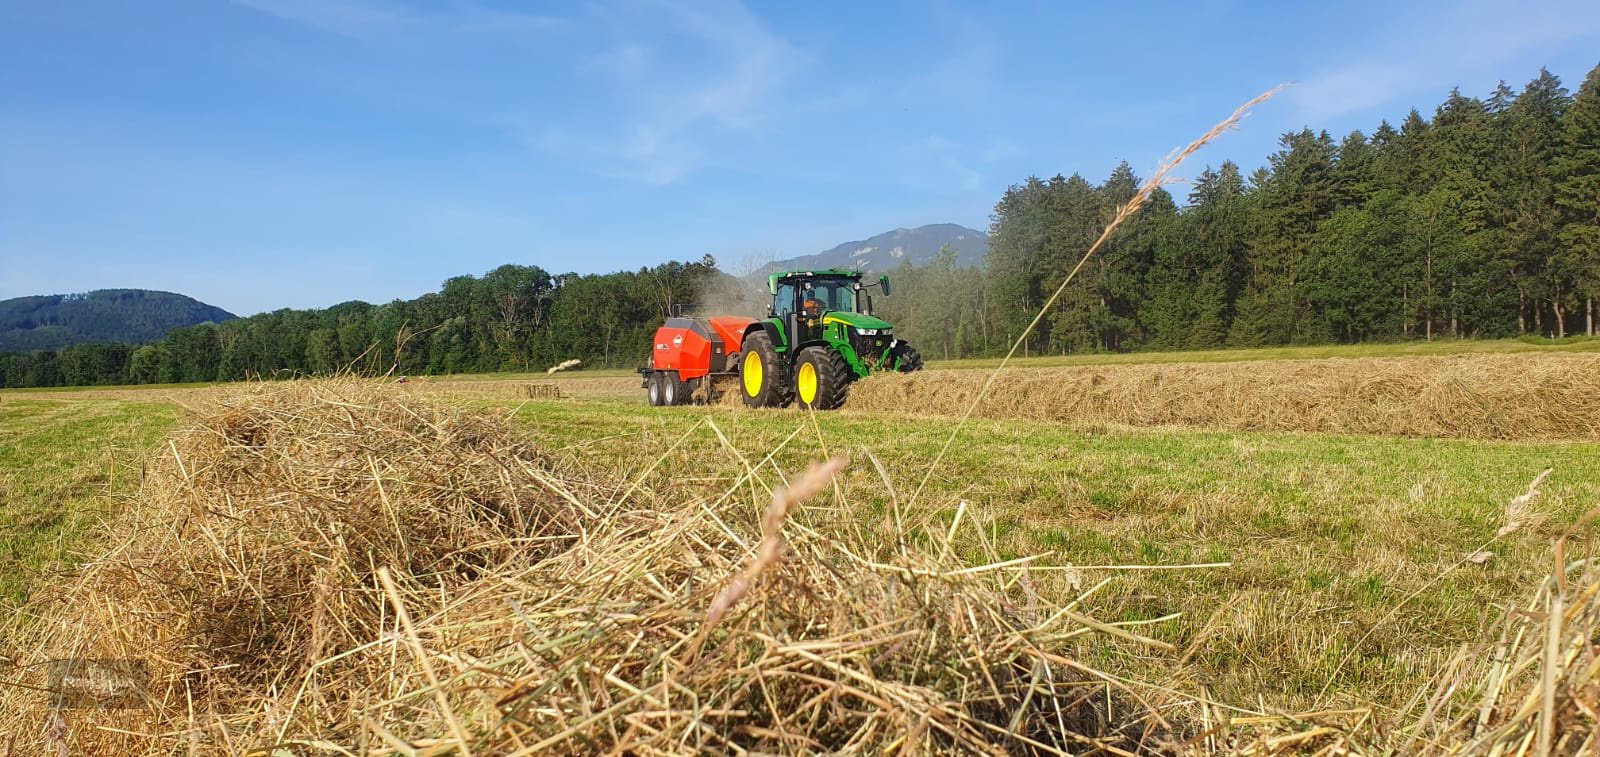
x=835, y=295
x=783, y=304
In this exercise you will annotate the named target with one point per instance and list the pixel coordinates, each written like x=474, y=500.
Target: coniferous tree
x=1528, y=215
x=1076, y=322
x=1017, y=234
x=1354, y=172
x=1578, y=195
x=1447, y=218
x=1300, y=193
x=1355, y=272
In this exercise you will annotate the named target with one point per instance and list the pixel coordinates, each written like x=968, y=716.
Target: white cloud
x=1000, y=149
x=1426, y=50
x=373, y=19
x=474, y=20
x=673, y=118
x=354, y=18
x=625, y=62
x=946, y=156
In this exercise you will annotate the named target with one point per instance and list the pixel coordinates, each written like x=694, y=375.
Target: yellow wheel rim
x=752, y=374
x=806, y=382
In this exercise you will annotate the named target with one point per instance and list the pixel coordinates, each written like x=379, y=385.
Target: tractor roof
x=772, y=281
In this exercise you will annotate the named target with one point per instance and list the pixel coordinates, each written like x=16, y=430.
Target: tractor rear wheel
x=763, y=382
x=821, y=378
x=653, y=388
x=907, y=359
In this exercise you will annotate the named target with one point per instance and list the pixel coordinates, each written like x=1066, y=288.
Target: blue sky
x=298, y=153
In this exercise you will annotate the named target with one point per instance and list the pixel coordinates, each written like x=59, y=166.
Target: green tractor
x=819, y=336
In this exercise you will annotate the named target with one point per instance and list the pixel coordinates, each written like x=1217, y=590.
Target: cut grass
x=1520, y=396
x=1301, y=352
x=61, y=464
x=580, y=376
x=1326, y=534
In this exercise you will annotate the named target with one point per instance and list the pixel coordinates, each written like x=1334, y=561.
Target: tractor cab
x=802, y=300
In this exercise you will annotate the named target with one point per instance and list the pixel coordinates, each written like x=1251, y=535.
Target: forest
x=128, y=316
x=1481, y=221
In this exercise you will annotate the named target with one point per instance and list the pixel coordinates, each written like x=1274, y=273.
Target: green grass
x=62, y=465
x=1326, y=534
x=20, y=393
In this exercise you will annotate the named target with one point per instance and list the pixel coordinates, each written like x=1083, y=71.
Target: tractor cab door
x=786, y=306
x=813, y=302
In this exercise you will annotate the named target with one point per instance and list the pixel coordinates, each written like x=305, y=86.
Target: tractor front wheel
x=762, y=379
x=907, y=359
x=821, y=378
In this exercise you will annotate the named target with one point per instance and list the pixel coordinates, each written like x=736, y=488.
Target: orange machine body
x=696, y=347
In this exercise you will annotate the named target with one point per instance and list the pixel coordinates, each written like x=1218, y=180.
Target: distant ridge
x=887, y=250
x=126, y=316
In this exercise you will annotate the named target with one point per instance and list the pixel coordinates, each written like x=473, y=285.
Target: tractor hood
x=857, y=320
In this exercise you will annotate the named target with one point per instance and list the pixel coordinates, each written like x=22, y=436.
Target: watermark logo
x=87, y=683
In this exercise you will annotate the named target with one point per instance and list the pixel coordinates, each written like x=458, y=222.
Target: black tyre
x=763, y=378
x=653, y=388
x=821, y=378
x=907, y=359
x=673, y=390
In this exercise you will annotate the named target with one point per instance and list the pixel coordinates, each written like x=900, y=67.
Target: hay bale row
x=332, y=567
x=1520, y=396
x=570, y=386
x=539, y=391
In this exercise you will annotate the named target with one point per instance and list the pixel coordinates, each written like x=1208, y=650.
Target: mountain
x=128, y=316
x=885, y=251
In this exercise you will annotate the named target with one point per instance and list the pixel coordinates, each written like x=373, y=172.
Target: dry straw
x=1522, y=396
x=343, y=568
x=564, y=365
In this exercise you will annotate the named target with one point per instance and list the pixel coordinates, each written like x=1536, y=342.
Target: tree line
x=1482, y=221
x=514, y=318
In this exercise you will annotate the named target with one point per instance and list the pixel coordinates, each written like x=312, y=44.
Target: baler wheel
x=673, y=390
x=654, y=389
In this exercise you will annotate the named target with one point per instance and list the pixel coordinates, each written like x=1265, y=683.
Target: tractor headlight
x=869, y=332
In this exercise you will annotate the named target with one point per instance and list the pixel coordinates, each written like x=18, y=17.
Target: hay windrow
x=1519, y=396
x=263, y=568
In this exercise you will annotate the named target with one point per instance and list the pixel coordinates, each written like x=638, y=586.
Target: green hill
x=127, y=316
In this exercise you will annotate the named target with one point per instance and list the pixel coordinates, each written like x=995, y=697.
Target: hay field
x=1085, y=586
x=62, y=465
x=1491, y=396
